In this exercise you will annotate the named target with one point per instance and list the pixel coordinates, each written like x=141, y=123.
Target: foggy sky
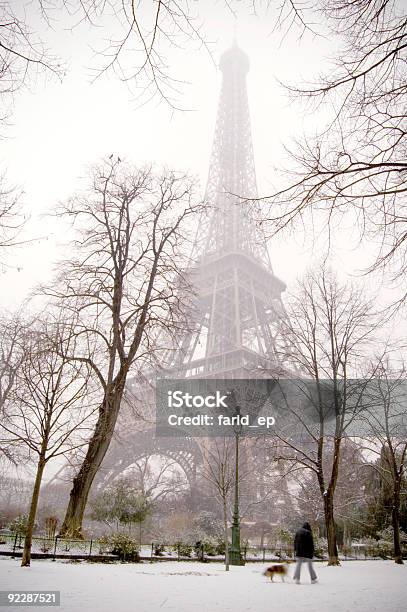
x=59, y=130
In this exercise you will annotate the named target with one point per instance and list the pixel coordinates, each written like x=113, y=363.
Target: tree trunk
x=395, y=517
x=98, y=446
x=225, y=524
x=32, y=514
x=330, y=529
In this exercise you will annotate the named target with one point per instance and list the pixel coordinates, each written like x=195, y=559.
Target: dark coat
x=304, y=542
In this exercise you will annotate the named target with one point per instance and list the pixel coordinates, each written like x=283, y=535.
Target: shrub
x=50, y=524
x=184, y=550
x=213, y=546
x=220, y=546
x=198, y=548
x=19, y=525
x=159, y=549
x=384, y=549
x=320, y=547
x=386, y=534
x=371, y=547
x=209, y=547
x=346, y=550
x=124, y=547
x=104, y=544
x=285, y=536
x=379, y=548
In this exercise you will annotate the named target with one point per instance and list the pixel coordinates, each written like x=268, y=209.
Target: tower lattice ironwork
x=235, y=330
x=238, y=306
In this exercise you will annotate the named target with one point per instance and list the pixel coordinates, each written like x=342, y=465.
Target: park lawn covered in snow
x=357, y=586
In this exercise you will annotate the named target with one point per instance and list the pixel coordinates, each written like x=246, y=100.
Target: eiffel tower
x=238, y=306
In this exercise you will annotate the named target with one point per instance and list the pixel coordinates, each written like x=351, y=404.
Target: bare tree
x=11, y=217
x=159, y=478
x=23, y=55
x=219, y=473
x=136, y=39
x=12, y=332
x=50, y=408
x=357, y=162
x=351, y=497
x=139, y=36
x=143, y=33
x=385, y=420
x=329, y=329
x=126, y=281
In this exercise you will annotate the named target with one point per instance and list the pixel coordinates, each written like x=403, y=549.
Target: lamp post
x=235, y=555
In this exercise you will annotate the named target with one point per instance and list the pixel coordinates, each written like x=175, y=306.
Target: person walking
x=304, y=552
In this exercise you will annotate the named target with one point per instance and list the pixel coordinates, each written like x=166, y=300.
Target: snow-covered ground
x=357, y=586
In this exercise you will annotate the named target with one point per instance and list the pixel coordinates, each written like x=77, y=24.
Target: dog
x=277, y=568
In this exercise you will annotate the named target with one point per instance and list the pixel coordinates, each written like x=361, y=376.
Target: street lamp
x=235, y=555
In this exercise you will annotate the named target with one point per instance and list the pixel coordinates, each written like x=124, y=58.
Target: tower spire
x=232, y=175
